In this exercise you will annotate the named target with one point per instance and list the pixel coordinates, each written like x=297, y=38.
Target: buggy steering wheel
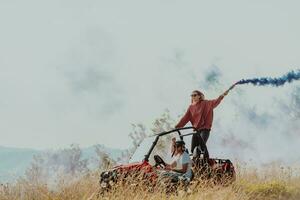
x=159, y=161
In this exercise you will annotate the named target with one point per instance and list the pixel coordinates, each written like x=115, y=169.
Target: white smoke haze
x=82, y=72
x=261, y=125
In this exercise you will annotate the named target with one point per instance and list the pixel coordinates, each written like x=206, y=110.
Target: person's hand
x=225, y=93
x=173, y=140
x=168, y=167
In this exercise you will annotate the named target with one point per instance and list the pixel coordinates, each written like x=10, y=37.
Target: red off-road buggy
x=146, y=168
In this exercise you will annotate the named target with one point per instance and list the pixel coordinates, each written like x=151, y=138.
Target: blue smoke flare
x=289, y=77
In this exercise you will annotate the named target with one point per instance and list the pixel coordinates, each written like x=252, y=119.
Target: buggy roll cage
x=158, y=135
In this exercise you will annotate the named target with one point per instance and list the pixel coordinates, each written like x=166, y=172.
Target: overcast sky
x=82, y=71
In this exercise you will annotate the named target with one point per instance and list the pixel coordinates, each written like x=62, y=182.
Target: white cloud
x=81, y=72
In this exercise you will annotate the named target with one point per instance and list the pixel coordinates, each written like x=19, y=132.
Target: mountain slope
x=15, y=161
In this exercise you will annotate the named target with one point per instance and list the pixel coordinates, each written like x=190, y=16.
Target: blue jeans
x=174, y=176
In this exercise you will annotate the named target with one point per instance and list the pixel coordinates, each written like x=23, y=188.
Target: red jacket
x=200, y=114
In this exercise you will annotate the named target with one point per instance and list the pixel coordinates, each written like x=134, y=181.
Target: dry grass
x=270, y=183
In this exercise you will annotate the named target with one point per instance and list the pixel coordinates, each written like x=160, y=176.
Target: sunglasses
x=194, y=95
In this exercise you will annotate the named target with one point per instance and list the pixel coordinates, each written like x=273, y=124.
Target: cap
x=179, y=143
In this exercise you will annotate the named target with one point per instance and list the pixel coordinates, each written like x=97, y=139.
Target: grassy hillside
x=271, y=183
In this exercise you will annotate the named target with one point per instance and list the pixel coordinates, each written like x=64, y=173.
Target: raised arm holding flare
x=200, y=114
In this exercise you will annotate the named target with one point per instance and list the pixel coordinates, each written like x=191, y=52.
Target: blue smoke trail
x=289, y=77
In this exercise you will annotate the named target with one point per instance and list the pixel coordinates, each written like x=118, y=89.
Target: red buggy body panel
x=143, y=166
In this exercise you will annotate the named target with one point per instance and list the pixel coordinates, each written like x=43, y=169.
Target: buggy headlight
x=103, y=184
x=111, y=183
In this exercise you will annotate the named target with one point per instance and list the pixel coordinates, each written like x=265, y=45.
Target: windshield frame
x=146, y=158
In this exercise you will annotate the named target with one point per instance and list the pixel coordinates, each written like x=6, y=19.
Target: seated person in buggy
x=181, y=165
